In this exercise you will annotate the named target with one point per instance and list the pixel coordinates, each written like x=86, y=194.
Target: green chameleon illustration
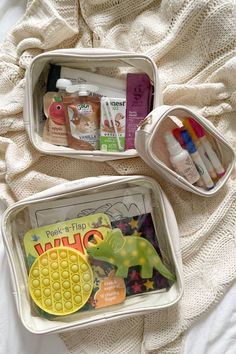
x=125, y=252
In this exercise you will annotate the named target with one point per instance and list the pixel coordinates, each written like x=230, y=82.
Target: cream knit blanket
x=193, y=44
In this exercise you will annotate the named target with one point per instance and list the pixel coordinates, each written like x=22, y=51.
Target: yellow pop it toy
x=60, y=281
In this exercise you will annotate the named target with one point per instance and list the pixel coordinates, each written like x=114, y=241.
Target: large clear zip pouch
x=92, y=250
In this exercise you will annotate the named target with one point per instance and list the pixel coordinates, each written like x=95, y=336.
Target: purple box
x=138, y=96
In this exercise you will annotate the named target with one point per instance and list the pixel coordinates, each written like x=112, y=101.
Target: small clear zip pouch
x=85, y=63
x=91, y=251
x=201, y=140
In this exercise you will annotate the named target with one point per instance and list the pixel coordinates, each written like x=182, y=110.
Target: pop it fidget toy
x=60, y=281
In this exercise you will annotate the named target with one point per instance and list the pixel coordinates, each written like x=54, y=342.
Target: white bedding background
x=214, y=334
x=10, y=12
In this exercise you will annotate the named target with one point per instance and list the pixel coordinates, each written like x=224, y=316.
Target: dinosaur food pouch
x=54, y=131
x=82, y=121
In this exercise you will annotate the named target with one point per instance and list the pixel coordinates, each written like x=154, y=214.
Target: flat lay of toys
x=89, y=262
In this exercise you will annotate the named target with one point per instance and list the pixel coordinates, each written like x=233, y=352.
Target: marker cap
x=191, y=131
x=188, y=141
x=197, y=128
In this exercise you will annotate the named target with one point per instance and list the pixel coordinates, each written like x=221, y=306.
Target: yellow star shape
x=148, y=284
x=134, y=224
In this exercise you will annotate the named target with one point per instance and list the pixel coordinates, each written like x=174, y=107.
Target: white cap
x=172, y=144
x=62, y=84
x=82, y=89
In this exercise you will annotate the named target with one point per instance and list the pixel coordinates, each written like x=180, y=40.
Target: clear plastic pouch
x=83, y=59
x=136, y=207
x=151, y=146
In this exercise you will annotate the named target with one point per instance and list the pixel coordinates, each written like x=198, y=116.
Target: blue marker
x=202, y=170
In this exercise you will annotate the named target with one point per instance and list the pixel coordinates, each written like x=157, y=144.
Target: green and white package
x=113, y=120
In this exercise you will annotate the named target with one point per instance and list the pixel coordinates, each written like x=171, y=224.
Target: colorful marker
x=208, y=148
x=197, y=159
x=200, y=149
x=176, y=132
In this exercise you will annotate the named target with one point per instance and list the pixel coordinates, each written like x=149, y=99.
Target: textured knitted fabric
x=193, y=44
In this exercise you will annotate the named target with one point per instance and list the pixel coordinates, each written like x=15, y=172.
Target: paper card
x=111, y=291
x=116, y=204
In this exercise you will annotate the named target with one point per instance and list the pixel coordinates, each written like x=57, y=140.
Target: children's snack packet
x=139, y=96
x=112, y=132
x=55, y=129
x=82, y=118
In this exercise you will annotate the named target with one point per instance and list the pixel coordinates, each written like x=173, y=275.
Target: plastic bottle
x=181, y=160
x=197, y=159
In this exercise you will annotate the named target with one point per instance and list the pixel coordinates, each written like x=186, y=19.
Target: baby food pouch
x=82, y=121
x=54, y=131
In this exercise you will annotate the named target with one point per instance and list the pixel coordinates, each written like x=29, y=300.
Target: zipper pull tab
x=144, y=122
